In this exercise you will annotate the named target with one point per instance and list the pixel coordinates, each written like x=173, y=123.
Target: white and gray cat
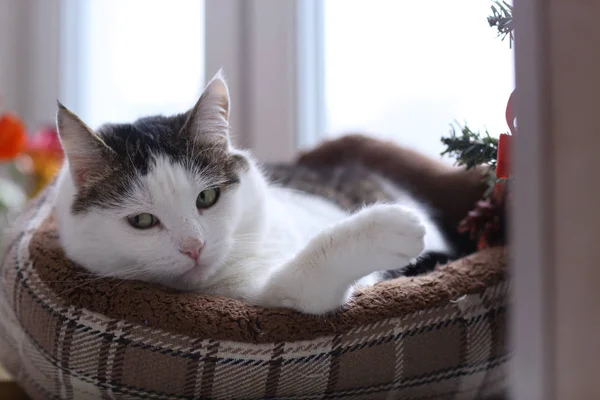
x=170, y=200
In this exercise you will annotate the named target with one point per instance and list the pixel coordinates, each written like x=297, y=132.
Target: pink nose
x=192, y=248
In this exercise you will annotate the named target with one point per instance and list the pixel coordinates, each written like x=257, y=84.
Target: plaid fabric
x=57, y=351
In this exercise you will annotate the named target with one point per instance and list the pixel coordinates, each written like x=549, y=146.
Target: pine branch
x=502, y=19
x=471, y=148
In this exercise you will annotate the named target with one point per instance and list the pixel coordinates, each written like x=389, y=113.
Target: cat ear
x=85, y=151
x=209, y=119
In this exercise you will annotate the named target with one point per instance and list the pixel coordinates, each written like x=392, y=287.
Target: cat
x=170, y=200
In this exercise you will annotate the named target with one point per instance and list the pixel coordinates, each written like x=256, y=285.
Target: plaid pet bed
x=438, y=336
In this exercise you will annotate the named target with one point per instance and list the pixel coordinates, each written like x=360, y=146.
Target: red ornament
x=45, y=140
x=46, y=156
x=486, y=223
x=13, y=137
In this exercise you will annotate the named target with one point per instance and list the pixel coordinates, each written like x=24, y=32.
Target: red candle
x=503, y=158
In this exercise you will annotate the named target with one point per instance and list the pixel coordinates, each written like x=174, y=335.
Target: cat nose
x=192, y=248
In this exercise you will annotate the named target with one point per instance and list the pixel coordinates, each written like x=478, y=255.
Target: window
x=304, y=70
x=299, y=71
x=405, y=70
x=130, y=58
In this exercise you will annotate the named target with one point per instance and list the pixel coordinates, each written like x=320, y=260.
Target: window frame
x=30, y=52
x=272, y=54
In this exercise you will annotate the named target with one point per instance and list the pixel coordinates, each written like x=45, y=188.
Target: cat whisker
x=131, y=276
x=80, y=285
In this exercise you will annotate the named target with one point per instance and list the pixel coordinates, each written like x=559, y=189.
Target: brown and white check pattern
x=58, y=351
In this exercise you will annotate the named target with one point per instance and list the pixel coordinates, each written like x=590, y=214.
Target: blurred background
x=299, y=70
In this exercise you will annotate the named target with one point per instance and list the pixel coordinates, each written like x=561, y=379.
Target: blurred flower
x=11, y=196
x=36, y=159
x=12, y=199
x=43, y=158
x=13, y=137
x=45, y=140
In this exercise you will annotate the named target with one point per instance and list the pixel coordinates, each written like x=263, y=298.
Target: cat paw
x=320, y=278
x=324, y=302
x=386, y=237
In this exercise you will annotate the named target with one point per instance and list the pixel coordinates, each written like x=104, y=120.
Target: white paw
x=320, y=278
x=385, y=237
x=312, y=291
x=327, y=301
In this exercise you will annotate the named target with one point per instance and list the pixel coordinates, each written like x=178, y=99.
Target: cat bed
x=65, y=334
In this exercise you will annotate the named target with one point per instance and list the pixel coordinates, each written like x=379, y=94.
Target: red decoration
x=505, y=141
x=44, y=157
x=45, y=140
x=13, y=137
x=486, y=223
x=37, y=157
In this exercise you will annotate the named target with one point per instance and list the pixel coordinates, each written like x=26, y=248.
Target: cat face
x=160, y=199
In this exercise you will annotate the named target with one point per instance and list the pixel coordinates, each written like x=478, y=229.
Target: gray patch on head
x=135, y=147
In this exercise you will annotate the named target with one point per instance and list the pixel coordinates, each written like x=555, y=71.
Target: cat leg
x=319, y=278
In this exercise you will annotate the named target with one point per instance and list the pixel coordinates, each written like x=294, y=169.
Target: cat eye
x=143, y=221
x=207, y=198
